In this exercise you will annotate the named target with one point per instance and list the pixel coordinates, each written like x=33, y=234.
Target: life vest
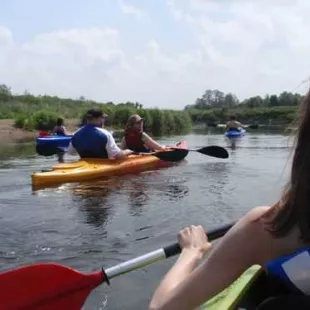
x=133, y=139
x=90, y=141
x=293, y=270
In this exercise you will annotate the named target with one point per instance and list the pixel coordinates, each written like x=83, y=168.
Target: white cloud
x=245, y=47
x=5, y=37
x=131, y=10
x=261, y=46
x=93, y=63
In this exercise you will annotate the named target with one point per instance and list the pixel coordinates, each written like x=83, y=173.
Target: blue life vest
x=293, y=270
x=90, y=142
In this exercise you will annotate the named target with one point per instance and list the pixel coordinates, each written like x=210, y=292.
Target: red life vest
x=133, y=139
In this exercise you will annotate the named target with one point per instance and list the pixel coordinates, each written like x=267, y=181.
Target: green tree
x=5, y=93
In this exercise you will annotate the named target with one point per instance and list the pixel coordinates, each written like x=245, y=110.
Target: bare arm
x=65, y=131
x=114, y=151
x=231, y=256
x=152, y=144
x=123, y=145
x=194, y=244
x=123, y=154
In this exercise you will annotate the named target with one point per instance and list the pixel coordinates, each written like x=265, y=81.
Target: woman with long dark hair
x=276, y=238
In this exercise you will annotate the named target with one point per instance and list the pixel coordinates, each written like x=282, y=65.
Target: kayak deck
x=229, y=298
x=248, y=292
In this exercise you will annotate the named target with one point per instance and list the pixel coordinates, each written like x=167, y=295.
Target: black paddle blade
x=214, y=151
x=172, y=156
x=255, y=126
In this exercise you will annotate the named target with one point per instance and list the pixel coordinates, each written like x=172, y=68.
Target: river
x=105, y=222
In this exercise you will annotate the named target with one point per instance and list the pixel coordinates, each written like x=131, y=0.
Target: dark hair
x=294, y=206
x=60, y=121
x=233, y=117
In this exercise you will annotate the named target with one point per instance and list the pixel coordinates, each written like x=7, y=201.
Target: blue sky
x=161, y=53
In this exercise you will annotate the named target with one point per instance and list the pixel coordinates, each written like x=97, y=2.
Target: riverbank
x=8, y=133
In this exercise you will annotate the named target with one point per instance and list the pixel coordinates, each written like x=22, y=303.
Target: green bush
x=20, y=121
x=39, y=112
x=24, y=122
x=43, y=120
x=40, y=120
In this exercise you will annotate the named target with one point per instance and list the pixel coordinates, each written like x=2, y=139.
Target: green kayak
x=237, y=293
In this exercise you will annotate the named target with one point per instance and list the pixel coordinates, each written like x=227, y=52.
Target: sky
x=161, y=53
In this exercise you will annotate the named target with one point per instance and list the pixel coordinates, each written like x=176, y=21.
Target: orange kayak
x=88, y=169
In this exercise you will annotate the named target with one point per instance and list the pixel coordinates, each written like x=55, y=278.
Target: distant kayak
x=235, y=133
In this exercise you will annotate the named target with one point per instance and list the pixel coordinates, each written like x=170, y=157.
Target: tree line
x=40, y=112
x=215, y=106
x=217, y=99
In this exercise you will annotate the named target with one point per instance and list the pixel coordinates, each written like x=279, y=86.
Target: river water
x=105, y=222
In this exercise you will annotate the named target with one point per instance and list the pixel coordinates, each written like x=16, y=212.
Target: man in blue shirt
x=92, y=141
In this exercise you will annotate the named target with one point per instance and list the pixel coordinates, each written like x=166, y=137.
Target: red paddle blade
x=46, y=287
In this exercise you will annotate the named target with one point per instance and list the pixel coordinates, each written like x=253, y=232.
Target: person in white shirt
x=92, y=141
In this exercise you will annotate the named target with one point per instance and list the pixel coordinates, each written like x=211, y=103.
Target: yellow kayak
x=88, y=169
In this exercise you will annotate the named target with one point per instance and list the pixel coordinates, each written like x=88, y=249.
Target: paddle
x=54, y=286
x=213, y=150
x=254, y=126
x=178, y=154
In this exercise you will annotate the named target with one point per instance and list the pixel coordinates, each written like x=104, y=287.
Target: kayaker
x=276, y=238
x=60, y=129
x=136, y=139
x=233, y=124
x=93, y=141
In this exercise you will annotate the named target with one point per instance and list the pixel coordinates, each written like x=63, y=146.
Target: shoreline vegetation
x=22, y=115
x=214, y=107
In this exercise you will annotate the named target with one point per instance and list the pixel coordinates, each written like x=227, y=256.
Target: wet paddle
x=177, y=154
x=54, y=286
x=213, y=150
x=254, y=126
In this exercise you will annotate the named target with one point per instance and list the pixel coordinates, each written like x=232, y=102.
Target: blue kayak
x=50, y=145
x=235, y=133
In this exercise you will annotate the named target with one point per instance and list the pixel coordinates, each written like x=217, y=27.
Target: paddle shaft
x=157, y=255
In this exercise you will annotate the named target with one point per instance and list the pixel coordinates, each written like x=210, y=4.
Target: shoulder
x=249, y=236
x=78, y=130
x=256, y=213
x=251, y=222
x=144, y=135
x=104, y=132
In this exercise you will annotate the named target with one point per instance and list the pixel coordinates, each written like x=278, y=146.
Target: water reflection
x=16, y=150
x=219, y=173
x=91, y=199
x=138, y=197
